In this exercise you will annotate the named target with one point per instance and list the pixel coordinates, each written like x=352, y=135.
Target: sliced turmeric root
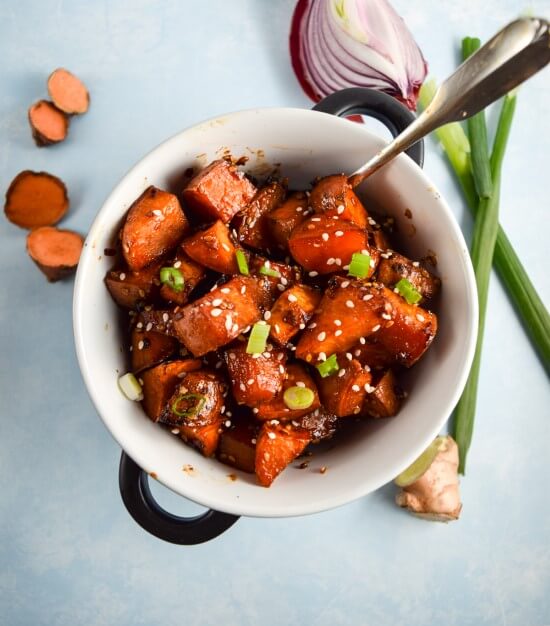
x=36, y=199
x=56, y=252
x=48, y=124
x=68, y=92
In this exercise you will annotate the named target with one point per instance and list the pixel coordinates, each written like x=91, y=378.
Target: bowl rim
x=332, y=500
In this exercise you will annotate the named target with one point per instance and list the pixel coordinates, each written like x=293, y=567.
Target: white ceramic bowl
x=306, y=144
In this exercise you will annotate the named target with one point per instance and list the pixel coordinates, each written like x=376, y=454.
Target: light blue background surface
x=70, y=554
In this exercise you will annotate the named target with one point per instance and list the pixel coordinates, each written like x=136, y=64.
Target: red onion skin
x=300, y=13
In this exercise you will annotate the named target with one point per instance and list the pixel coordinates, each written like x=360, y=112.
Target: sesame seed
x=157, y=212
x=385, y=255
x=282, y=369
x=377, y=327
x=419, y=317
x=292, y=297
x=277, y=328
x=321, y=336
x=338, y=261
x=175, y=431
x=367, y=297
x=255, y=410
x=271, y=435
x=284, y=281
x=242, y=387
x=341, y=373
x=217, y=302
x=243, y=289
x=299, y=209
x=225, y=290
x=226, y=247
x=339, y=233
x=315, y=219
x=177, y=264
x=267, y=315
x=355, y=388
x=215, y=312
x=250, y=381
x=280, y=356
x=253, y=440
x=266, y=355
x=300, y=383
x=368, y=388
x=372, y=222
x=313, y=273
x=229, y=414
x=322, y=356
x=312, y=325
x=356, y=410
x=302, y=326
x=228, y=322
x=345, y=284
x=139, y=325
x=280, y=287
x=349, y=304
x=235, y=328
x=386, y=316
x=416, y=264
x=140, y=345
x=357, y=352
x=337, y=333
x=362, y=341
x=349, y=356
x=340, y=209
x=122, y=275
x=232, y=355
x=165, y=317
x=324, y=236
x=227, y=423
x=274, y=422
x=331, y=261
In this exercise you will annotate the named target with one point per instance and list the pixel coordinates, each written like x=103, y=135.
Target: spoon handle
x=512, y=56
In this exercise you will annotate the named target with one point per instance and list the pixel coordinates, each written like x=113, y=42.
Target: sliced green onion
x=130, y=387
x=199, y=402
x=268, y=271
x=298, y=398
x=172, y=277
x=360, y=265
x=328, y=367
x=242, y=262
x=408, y=291
x=258, y=338
x=422, y=464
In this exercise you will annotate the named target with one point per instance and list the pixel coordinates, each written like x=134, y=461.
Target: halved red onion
x=336, y=44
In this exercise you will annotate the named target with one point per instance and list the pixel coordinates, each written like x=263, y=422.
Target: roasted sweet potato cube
x=292, y=311
x=324, y=245
x=392, y=269
x=218, y=192
x=278, y=445
x=321, y=424
x=155, y=225
x=408, y=332
x=203, y=438
x=333, y=195
x=348, y=311
x=160, y=382
x=252, y=225
x=385, y=397
x=213, y=248
x=284, y=219
x=150, y=347
x=220, y=316
x=128, y=288
x=287, y=274
x=276, y=408
x=255, y=379
x=237, y=446
x=192, y=274
x=196, y=401
x=343, y=393
x=372, y=354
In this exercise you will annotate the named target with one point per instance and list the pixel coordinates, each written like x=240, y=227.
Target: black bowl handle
x=360, y=100
x=185, y=531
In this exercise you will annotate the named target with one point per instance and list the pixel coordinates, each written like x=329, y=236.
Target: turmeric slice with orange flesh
x=48, y=124
x=68, y=92
x=36, y=199
x=56, y=252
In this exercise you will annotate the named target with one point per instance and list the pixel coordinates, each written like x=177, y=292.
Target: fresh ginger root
x=435, y=495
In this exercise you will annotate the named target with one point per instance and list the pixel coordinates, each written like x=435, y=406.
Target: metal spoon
x=512, y=56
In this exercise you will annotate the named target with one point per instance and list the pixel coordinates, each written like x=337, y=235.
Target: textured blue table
x=70, y=554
